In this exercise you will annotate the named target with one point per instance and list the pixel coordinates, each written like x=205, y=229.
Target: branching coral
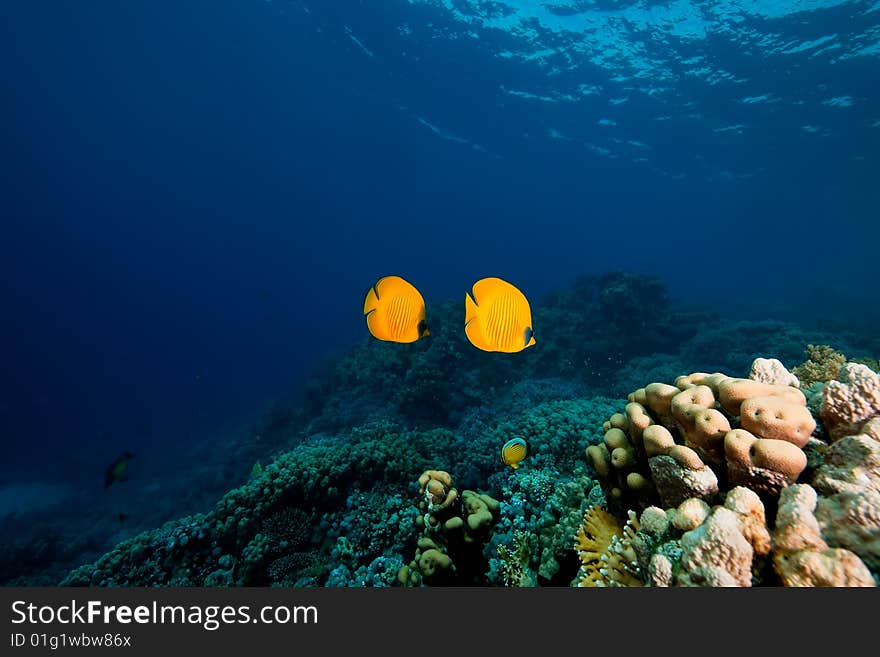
x=823, y=364
x=605, y=550
x=515, y=559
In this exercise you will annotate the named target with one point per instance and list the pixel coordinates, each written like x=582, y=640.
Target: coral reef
x=673, y=442
x=703, y=506
x=702, y=482
x=695, y=545
x=548, y=508
x=602, y=321
x=732, y=544
x=801, y=557
x=327, y=502
x=281, y=525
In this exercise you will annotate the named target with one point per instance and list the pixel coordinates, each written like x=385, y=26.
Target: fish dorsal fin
x=470, y=309
x=473, y=328
x=371, y=302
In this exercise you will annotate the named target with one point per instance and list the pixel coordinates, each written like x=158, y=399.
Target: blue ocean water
x=196, y=195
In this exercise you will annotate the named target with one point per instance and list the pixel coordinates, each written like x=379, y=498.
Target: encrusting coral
x=771, y=370
x=850, y=400
x=801, y=557
x=848, y=511
x=695, y=545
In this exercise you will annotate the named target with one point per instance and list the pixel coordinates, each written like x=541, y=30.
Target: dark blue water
x=196, y=195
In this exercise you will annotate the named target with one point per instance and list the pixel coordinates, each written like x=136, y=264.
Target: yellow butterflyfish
x=498, y=317
x=395, y=311
x=514, y=451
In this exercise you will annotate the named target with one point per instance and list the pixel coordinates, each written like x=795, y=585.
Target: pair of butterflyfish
x=497, y=318
x=497, y=314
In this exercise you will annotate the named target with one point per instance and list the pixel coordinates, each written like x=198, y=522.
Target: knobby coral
x=453, y=529
x=711, y=451
x=674, y=442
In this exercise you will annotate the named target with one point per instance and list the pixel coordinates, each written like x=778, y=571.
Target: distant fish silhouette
x=117, y=470
x=144, y=430
x=123, y=517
